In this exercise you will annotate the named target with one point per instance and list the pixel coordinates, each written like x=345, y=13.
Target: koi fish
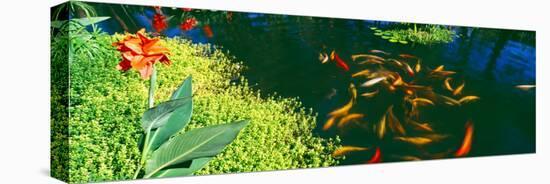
x=329, y=123
x=438, y=69
x=397, y=62
x=467, y=142
x=373, y=81
x=449, y=100
x=408, y=158
x=342, y=111
x=339, y=62
x=376, y=158
x=525, y=87
x=379, y=52
x=448, y=84
x=370, y=94
x=352, y=91
x=347, y=149
x=417, y=67
x=467, y=99
x=398, y=81
x=421, y=126
x=407, y=56
x=362, y=73
x=371, y=61
x=419, y=141
x=382, y=127
x=443, y=73
x=394, y=123
x=346, y=119
x=368, y=56
x=323, y=57
x=422, y=101
x=409, y=69
x=458, y=89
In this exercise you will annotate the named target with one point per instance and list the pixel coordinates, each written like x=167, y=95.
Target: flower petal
x=134, y=45
x=124, y=65
x=146, y=71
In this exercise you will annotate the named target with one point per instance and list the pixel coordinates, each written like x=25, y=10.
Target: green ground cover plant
x=95, y=134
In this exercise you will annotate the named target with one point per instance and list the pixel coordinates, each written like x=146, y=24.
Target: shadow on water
x=281, y=55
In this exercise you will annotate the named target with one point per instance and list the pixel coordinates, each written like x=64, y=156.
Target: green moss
x=106, y=106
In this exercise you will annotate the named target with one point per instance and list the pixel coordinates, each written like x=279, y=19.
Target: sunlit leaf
x=196, y=143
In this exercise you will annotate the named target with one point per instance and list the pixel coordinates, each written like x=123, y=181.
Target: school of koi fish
x=402, y=76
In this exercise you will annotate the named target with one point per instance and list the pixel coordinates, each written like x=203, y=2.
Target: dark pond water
x=281, y=56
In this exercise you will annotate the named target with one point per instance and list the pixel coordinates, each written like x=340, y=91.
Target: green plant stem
x=151, y=100
x=152, y=83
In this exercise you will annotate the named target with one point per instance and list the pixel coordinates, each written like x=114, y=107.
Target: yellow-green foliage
x=106, y=106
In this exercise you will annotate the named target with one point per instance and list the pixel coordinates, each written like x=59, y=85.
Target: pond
x=280, y=54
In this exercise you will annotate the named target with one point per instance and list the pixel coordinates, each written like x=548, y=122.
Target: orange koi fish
x=329, y=123
x=407, y=56
x=418, y=66
x=348, y=118
x=467, y=142
x=409, y=69
x=343, y=110
x=365, y=72
x=347, y=149
x=339, y=62
x=376, y=158
x=467, y=99
x=458, y=89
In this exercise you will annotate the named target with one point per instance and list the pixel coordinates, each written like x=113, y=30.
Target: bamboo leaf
x=196, y=165
x=197, y=143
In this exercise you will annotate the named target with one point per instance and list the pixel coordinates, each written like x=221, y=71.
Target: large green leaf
x=196, y=165
x=177, y=121
x=81, y=21
x=90, y=20
x=202, y=142
x=159, y=115
x=184, y=90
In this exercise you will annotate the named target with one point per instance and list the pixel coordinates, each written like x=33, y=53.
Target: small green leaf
x=373, y=28
x=393, y=40
x=403, y=42
x=378, y=34
x=196, y=164
x=159, y=115
x=385, y=37
x=196, y=143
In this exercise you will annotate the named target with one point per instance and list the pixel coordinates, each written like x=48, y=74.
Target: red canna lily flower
x=188, y=24
x=159, y=22
x=141, y=53
x=207, y=31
